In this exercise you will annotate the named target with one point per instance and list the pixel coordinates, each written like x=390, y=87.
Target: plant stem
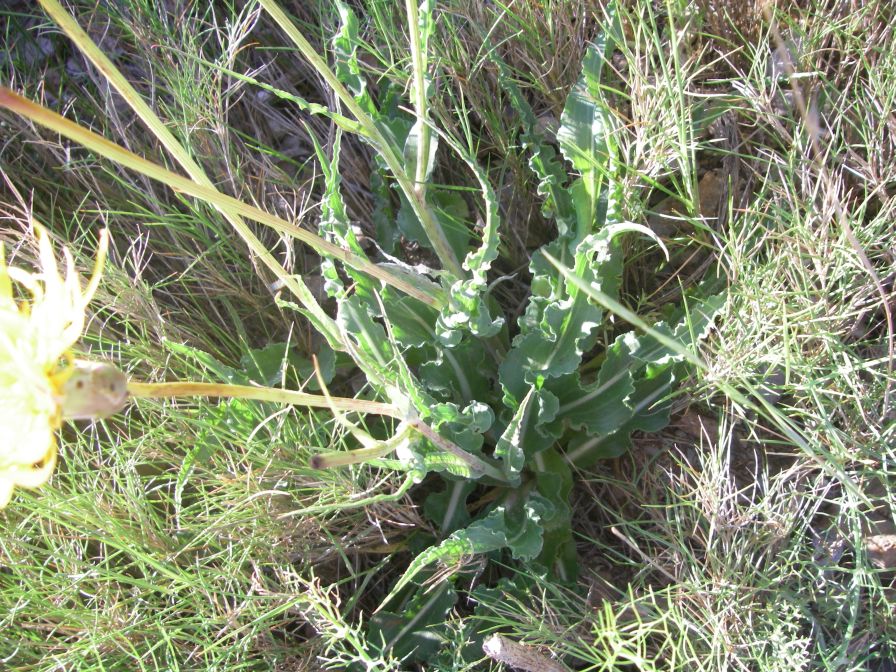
x=476, y=464
x=372, y=133
x=419, y=60
x=277, y=395
x=110, y=150
x=342, y=458
x=113, y=75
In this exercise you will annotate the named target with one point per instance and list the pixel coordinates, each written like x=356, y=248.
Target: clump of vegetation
x=455, y=369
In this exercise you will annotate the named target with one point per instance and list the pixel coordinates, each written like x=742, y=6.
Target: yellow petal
x=32, y=477
x=5, y=491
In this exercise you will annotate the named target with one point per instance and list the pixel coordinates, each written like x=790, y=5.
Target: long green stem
x=419, y=61
x=110, y=150
x=274, y=394
x=476, y=464
x=343, y=458
x=373, y=134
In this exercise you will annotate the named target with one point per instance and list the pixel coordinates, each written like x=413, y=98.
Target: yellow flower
x=36, y=336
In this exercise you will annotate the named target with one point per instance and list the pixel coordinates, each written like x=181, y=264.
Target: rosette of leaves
x=494, y=425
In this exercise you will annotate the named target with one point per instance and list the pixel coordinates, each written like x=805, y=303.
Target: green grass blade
x=761, y=405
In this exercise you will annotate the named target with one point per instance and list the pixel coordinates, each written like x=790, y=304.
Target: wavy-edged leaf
x=557, y=329
x=334, y=225
x=583, y=131
x=510, y=446
x=518, y=529
x=372, y=351
x=694, y=321
x=447, y=373
x=586, y=138
x=412, y=325
x=482, y=536
x=601, y=407
x=553, y=477
x=650, y=408
x=375, y=352
x=461, y=372
x=468, y=307
x=452, y=440
x=558, y=325
x=526, y=525
x=543, y=160
x=345, y=49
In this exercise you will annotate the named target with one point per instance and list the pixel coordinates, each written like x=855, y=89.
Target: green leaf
x=650, y=413
x=412, y=149
x=375, y=352
x=266, y=366
x=469, y=306
x=557, y=329
x=601, y=408
x=413, y=325
x=482, y=536
x=518, y=529
x=586, y=137
x=583, y=131
x=447, y=508
x=525, y=526
x=335, y=227
x=372, y=351
x=466, y=427
x=543, y=160
x=221, y=371
x=694, y=321
x=510, y=446
x=553, y=478
x=383, y=216
x=458, y=373
x=457, y=447
x=413, y=634
x=345, y=48
x=531, y=430
x=461, y=372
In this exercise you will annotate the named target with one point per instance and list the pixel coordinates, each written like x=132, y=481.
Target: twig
x=520, y=656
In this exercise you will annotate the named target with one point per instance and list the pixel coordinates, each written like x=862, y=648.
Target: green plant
x=491, y=417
